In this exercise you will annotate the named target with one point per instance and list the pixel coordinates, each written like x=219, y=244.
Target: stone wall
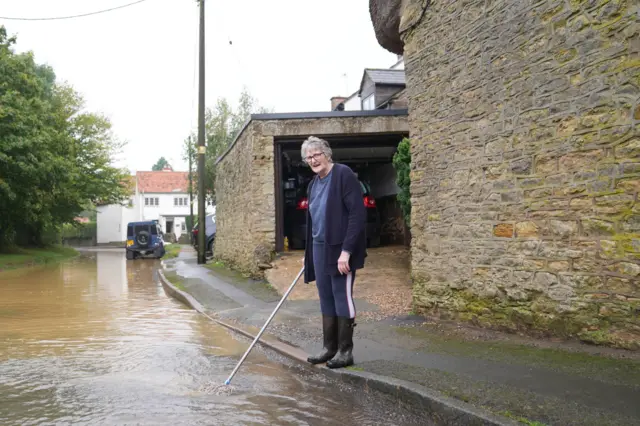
x=524, y=119
x=238, y=211
x=245, y=183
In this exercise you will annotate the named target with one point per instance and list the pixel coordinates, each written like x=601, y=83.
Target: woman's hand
x=343, y=263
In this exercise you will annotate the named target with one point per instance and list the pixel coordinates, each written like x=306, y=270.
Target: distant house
x=161, y=195
x=379, y=89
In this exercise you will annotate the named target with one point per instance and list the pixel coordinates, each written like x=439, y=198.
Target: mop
x=235, y=370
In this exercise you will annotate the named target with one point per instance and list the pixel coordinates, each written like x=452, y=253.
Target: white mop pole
x=264, y=327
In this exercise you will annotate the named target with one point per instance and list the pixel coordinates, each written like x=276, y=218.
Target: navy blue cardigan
x=345, y=224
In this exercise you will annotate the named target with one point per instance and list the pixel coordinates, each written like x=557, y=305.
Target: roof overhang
x=337, y=115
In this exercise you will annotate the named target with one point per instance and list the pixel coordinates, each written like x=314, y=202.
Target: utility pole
x=190, y=155
x=201, y=148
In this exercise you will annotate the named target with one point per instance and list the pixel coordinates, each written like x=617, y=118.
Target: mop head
x=218, y=389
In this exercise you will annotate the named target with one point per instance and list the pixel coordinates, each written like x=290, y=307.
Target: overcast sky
x=138, y=65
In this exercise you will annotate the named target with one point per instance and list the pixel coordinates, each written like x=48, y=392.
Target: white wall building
x=161, y=196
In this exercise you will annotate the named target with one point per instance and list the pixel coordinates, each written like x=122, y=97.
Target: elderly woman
x=335, y=248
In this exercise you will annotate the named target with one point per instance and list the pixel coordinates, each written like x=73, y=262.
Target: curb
x=440, y=409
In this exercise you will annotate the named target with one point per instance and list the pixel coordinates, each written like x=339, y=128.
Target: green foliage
x=55, y=158
x=402, y=164
x=172, y=250
x=84, y=231
x=160, y=164
x=222, y=125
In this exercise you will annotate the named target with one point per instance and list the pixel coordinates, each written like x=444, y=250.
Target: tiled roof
x=382, y=76
x=163, y=181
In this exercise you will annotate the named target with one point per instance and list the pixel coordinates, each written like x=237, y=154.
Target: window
x=366, y=189
x=180, y=201
x=151, y=201
x=368, y=102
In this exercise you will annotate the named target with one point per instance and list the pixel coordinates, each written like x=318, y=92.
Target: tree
x=160, y=164
x=55, y=158
x=222, y=125
x=402, y=164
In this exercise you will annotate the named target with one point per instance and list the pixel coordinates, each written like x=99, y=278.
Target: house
x=387, y=90
x=158, y=195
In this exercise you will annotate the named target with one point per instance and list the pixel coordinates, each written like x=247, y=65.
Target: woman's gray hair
x=314, y=142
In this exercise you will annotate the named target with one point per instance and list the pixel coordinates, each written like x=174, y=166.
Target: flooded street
x=97, y=341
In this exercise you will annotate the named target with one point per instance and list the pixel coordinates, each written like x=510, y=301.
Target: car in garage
x=144, y=239
x=297, y=217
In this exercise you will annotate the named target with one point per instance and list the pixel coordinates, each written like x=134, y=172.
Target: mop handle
x=264, y=327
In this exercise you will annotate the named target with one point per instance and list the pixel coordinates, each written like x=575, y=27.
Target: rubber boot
x=344, y=357
x=330, y=337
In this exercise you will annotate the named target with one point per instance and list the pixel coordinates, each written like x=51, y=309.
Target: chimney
x=337, y=100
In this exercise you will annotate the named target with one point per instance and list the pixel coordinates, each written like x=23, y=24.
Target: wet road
x=97, y=341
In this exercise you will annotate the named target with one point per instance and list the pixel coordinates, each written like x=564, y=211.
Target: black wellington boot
x=330, y=337
x=344, y=357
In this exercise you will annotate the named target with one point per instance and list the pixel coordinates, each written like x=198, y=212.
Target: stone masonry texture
x=524, y=119
x=245, y=183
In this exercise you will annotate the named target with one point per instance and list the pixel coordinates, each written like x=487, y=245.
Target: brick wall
x=524, y=117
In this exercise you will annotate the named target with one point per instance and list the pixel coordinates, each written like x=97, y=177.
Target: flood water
x=97, y=341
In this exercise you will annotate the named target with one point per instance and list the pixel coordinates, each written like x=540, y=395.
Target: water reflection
x=95, y=340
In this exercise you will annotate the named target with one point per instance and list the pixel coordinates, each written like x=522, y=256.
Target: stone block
x=629, y=184
x=522, y=166
x=560, y=293
x=592, y=227
x=526, y=229
x=580, y=160
x=546, y=164
x=628, y=150
x=630, y=168
x=503, y=230
x=559, y=266
x=626, y=268
x=542, y=281
x=614, y=203
x=563, y=228
x=625, y=286
x=631, y=224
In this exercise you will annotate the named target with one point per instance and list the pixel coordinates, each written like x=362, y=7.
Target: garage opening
x=370, y=157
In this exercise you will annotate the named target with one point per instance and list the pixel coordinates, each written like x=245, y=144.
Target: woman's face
x=318, y=161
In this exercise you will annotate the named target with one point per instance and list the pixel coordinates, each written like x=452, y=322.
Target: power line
x=73, y=16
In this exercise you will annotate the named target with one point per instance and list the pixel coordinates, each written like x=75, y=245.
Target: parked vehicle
x=297, y=218
x=210, y=232
x=144, y=239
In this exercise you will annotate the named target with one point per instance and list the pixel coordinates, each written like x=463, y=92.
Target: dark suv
x=143, y=239
x=209, y=232
x=297, y=218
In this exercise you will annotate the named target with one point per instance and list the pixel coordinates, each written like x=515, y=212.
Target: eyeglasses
x=313, y=157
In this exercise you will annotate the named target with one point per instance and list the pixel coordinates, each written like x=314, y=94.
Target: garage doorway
x=370, y=157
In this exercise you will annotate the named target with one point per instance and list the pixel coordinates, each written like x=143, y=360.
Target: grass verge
x=172, y=251
x=24, y=257
x=176, y=280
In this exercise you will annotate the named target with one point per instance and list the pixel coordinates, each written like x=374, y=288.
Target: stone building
x=260, y=179
x=524, y=119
